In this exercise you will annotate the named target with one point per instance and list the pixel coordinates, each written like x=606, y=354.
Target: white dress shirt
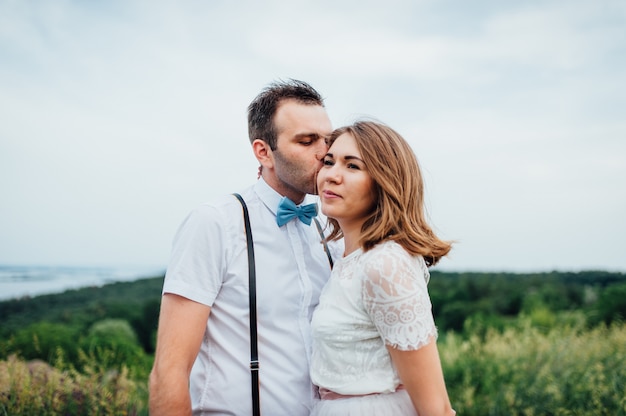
x=209, y=265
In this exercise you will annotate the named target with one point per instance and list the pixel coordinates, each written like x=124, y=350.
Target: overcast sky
x=118, y=117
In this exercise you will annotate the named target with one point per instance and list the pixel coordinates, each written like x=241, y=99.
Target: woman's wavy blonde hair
x=399, y=211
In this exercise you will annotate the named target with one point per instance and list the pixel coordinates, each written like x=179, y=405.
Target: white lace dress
x=372, y=299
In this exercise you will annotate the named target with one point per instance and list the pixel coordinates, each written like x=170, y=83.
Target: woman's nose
x=332, y=174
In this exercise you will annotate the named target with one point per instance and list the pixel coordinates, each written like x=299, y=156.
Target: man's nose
x=321, y=149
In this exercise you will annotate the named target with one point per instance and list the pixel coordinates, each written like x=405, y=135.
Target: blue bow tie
x=287, y=210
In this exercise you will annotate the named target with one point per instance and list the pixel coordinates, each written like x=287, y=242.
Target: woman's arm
x=422, y=377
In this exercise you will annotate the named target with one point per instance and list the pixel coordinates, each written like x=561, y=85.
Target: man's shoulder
x=221, y=212
x=226, y=203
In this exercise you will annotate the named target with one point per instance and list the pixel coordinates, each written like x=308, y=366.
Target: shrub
x=112, y=344
x=42, y=340
x=611, y=305
x=115, y=331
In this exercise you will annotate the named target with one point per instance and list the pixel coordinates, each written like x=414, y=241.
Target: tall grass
x=537, y=364
x=36, y=388
x=529, y=370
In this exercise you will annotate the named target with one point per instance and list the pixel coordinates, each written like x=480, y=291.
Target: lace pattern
x=396, y=297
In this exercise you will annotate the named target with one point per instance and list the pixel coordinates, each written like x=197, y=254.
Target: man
x=202, y=359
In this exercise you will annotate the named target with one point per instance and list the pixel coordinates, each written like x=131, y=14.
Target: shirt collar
x=271, y=198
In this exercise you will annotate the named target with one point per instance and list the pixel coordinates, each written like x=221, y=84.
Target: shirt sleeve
x=197, y=257
x=395, y=296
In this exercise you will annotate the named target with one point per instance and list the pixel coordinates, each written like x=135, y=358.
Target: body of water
x=20, y=281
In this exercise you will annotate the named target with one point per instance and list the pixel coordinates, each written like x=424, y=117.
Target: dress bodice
x=373, y=299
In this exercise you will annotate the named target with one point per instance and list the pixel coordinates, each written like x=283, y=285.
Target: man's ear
x=263, y=153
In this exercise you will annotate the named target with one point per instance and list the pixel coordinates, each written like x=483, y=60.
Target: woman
x=374, y=349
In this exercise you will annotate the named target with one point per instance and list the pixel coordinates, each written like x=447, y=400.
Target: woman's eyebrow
x=332, y=156
x=353, y=158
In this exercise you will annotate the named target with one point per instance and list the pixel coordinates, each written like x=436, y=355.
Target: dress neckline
x=354, y=253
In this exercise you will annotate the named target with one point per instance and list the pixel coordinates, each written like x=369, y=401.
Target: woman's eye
x=353, y=166
x=328, y=162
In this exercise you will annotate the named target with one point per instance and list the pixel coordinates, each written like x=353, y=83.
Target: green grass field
x=541, y=344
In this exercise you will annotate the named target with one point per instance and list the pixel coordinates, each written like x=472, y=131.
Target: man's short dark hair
x=262, y=109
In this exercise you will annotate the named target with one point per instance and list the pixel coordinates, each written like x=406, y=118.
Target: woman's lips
x=330, y=194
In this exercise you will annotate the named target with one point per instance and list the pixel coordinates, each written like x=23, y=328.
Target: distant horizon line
x=163, y=268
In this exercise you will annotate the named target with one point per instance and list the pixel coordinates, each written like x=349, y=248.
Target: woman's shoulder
x=389, y=257
x=387, y=248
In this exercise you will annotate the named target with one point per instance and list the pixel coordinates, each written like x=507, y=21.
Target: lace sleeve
x=396, y=298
